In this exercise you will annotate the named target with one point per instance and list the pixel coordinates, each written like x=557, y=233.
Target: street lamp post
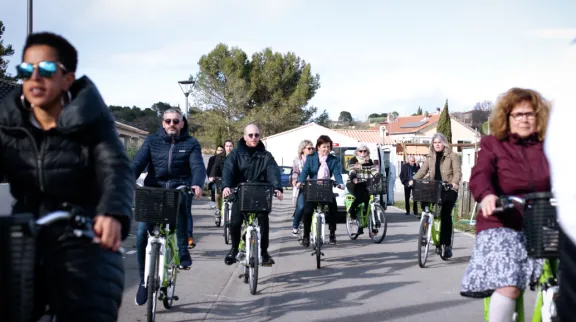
x=30, y=15
x=186, y=87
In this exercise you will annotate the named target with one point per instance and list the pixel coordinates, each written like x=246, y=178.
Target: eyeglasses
x=518, y=116
x=309, y=148
x=175, y=121
x=254, y=135
x=46, y=69
x=362, y=151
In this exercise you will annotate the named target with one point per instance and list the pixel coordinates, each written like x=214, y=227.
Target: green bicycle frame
x=251, y=217
x=365, y=213
x=172, y=244
x=437, y=224
x=549, y=271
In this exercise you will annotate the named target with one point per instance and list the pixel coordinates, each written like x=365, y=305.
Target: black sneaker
x=141, y=295
x=360, y=231
x=267, y=259
x=306, y=242
x=447, y=252
x=231, y=257
x=332, y=238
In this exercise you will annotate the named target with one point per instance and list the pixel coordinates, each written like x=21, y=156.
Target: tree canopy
x=5, y=52
x=444, y=124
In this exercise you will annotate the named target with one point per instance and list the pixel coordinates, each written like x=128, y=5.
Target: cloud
x=553, y=33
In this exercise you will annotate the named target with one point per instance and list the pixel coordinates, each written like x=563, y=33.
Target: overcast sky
x=372, y=56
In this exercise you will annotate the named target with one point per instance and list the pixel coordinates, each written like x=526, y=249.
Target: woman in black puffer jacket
x=58, y=144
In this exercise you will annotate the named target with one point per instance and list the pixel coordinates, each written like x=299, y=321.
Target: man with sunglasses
x=173, y=158
x=250, y=162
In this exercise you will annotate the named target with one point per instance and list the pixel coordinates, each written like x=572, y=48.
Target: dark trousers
x=361, y=195
x=448, y=202
x=213, y=192
x=407, y=192
x=309, y=209
x=236, y=227
x=81, y=281
x=567, y=297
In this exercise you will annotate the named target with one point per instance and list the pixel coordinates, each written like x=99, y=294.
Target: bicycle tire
x=227, y=238
x=172, y=271
x=318, y=242
x=423, y=235
x=254, y=262
x=353, y=236
x=153, y=283
x=300, y=231
x=218, y=218
x=383, y=224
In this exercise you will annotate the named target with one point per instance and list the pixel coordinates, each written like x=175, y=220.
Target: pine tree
x=419, y=111
x=444, y=125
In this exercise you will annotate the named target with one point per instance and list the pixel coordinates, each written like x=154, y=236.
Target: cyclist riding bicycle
x=305, y=148
x=511, y=161
x=211, y=186
x=216, y=171
x=59, y=144
x=443, y=165
x=357, y=185
x=561, y=117
x=250, y=162
x=321, y=165
x=173, y=158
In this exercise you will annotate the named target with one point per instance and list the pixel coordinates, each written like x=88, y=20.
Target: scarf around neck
x=323, y=171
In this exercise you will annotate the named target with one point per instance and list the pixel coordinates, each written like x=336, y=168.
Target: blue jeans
x=299, y=210
x=182, y=224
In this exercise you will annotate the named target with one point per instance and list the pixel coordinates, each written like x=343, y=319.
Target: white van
x=379, y=155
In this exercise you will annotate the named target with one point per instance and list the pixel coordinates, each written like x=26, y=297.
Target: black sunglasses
x=45, y=69
x=254, y=135
x=175, y=121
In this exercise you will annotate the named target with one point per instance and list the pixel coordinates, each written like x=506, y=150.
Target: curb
x=467, y=234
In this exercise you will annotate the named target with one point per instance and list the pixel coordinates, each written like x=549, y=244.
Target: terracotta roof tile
x=368, y=136
x=399, y=125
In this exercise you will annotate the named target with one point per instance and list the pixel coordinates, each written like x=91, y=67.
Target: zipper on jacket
x=39, y=158
x=170, y=156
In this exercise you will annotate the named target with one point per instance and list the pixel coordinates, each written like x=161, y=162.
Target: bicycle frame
x=250, y=227
x=318, y=214
x=162, y=236
x=365, y=214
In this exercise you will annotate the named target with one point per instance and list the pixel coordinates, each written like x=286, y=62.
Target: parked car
x=285, y=176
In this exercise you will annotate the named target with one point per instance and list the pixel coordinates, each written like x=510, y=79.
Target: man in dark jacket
x=250, y=162
x=173, y=158
x=406, y=173
x=58, y=146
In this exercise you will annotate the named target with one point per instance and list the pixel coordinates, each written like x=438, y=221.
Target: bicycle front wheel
x=153, y=282
x=378, y=224
x=423, y=242
x=227, y=236
x=171, y=274
x=319, y=237
x=254, y=262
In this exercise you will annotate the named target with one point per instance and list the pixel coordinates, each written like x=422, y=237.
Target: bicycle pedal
x=321, y=253
x=184, y=268
x=314, y=253
x=241, y=275
x=266, y=265
x=175, y=298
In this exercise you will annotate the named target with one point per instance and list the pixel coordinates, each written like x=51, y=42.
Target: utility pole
x=30, y=16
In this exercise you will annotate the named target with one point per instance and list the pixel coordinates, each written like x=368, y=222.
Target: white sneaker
x=212, y=204
x=294, y=232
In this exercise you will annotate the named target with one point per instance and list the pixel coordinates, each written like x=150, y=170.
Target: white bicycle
x=161, y=207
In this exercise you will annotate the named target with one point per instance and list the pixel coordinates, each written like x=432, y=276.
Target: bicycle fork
x=248, y=246
x=151, y=241
x=322, y=217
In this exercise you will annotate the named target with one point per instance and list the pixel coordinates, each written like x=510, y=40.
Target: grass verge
x=458, y=225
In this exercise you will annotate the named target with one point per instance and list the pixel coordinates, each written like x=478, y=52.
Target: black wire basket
x=17, y=267
x=255, y=197
x=427, y=190
x=319, y=190
x=377, y=185
x=541, y=226
x=157, y=205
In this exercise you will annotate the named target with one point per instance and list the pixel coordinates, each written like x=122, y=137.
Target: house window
x=462, y=142
x=426, y=141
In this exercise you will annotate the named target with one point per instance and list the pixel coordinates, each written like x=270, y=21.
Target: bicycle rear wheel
x=352, y=227
x=172, y=274
x=318, y=241
x=254, y=262
x=423, y=242
x=227, y=236
x=380, y=225
x=153, y=282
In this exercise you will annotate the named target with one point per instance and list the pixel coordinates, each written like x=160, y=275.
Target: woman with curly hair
x=511, y=161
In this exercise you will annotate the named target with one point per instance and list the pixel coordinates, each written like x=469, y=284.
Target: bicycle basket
x=541, y=226
x=426, y=190
x=17, y=265
x=376, y=185
x=157, y=205
x=319, y=190
x=255, y=197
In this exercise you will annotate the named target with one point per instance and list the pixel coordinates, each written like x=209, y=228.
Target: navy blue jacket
x=312, y=165
x=171, y=161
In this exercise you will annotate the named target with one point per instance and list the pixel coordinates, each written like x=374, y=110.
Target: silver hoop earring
x=25, y=103
x=69, y=95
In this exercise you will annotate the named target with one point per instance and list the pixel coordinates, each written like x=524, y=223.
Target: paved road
x=359, y=280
